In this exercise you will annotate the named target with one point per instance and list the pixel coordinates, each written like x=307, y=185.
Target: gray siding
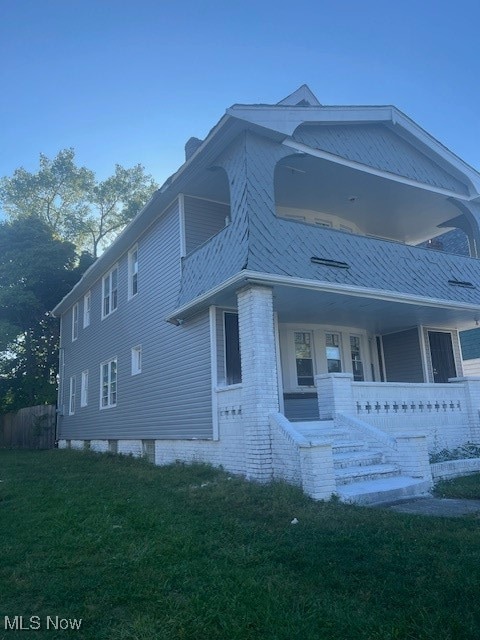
x=378, y=147
x=403, y=358
x=203, y=219
x=171, y=397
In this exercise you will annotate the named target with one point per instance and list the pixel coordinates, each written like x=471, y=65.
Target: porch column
x=335, y=394
x=259, y=377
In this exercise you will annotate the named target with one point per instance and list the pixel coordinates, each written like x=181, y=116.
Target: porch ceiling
x=297, y=305
x=377, y=205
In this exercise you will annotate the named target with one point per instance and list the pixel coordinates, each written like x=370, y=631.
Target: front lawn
x=466, y=487
x=188, y=552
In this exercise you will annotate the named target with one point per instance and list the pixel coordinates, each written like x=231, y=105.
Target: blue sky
x=127, y=82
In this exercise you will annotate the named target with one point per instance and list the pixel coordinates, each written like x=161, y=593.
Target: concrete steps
x=362, y=476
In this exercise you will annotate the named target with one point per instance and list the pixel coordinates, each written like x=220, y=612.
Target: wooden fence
x=30, y=428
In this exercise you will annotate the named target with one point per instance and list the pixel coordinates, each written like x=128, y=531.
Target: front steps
x=362, y=475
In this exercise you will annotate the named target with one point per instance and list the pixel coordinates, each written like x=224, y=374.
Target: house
x=270, y=309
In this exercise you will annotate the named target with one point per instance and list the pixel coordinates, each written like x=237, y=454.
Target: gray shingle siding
x=203, y=219
x=176, y=360
x=378, y=147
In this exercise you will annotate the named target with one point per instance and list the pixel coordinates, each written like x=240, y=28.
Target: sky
x=128, y=82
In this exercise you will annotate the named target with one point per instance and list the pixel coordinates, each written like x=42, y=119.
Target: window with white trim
x=71, y=402
x=233, y=364
x=133, y=272
x=108, y=384
x=333, y=352
x=75, y=321
x=87, y=303
x=136, y=360
x=84, y=389
x=110, y=292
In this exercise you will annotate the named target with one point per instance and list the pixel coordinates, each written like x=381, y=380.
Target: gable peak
x=302, y=97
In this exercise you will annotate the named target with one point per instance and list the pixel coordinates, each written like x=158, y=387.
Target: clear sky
x=126, y=81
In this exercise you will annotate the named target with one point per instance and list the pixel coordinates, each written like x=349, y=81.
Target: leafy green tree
x=73, y=203
x=36, y=271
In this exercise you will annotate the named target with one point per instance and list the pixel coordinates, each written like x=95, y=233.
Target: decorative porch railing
x=448, y=414
x=399, y=398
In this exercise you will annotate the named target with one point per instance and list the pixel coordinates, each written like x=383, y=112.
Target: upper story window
x=133, y=272
x=110, y=292
x=87, y=303
x=75, y=321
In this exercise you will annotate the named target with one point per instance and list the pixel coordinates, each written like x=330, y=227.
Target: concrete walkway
x=438, y=507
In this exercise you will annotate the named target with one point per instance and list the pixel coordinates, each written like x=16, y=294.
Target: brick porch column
x=259, y=377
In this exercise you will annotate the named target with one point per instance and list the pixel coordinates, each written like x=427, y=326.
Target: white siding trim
x=281, y=403
x=423, y=351
x=183, y=237
x=212, y=314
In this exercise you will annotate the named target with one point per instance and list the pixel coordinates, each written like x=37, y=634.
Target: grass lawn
x=467, y=487
x=186, y=552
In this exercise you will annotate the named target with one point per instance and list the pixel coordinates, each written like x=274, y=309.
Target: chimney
x=191, y=146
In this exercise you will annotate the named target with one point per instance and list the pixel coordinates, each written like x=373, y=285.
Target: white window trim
x=71, y=398
x=84, y=389
x=75, y=322
x=132, y=272
x=87, y=309
x=102, y=364
x=136, y=360
x=108, y=277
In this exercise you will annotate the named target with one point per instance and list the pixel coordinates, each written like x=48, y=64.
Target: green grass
x=187, y=552
x=466, y=487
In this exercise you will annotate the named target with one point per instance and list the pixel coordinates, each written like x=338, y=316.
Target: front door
x=441, y=350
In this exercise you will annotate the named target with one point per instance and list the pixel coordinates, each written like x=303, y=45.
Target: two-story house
x=270, y=310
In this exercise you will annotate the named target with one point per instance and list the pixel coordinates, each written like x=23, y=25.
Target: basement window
x=326, y=262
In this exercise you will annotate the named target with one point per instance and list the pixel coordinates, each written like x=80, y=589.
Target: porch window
x=233, y=366
x=357, y=363
x=334, y=358
x=304, y=358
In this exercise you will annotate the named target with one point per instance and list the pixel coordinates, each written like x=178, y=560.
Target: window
x=133, y=272
x=87, y=302
x=233, y=366
x=108, y=384
x=71, y=403
x=110, y=292
x=334, y=359
x=357, y=364
x=136, y=360
x=304, y=358
x=84, y=389
x=75, y=321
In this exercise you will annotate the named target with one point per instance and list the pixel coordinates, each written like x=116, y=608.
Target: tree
x=74, y=205
x=36, y=271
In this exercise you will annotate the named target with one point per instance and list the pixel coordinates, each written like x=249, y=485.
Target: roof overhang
x=301, y=300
